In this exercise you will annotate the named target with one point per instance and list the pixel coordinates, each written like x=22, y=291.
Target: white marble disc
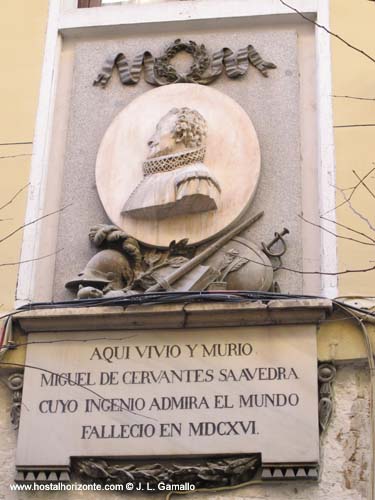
x=232, y=155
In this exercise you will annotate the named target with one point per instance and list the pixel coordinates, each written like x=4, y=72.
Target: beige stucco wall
x=354, y=75
x=22, y=30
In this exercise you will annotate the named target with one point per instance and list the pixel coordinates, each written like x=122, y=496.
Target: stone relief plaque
x=131, y=394
x=180, y=161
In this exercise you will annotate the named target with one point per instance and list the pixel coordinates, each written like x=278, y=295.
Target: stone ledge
x=192, y=315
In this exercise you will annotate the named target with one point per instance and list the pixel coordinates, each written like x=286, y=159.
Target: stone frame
x=171, y=316
x=66, y=23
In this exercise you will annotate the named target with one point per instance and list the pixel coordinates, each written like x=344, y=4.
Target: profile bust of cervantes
x=175, y=179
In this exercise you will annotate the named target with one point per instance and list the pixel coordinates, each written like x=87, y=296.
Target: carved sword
x=201, y=257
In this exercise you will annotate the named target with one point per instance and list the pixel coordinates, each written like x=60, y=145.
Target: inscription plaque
x=171, y=392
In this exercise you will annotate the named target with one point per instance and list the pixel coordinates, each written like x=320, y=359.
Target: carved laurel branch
x=15, y=384
x=164, y=69
x=326, y=376
x=208, y=473
x=204, y=70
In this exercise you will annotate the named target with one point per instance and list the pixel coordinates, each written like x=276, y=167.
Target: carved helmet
x=107, y=267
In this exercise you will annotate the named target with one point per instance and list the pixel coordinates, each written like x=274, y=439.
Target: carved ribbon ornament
x=204, y=70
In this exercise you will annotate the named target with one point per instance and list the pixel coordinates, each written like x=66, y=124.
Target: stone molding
x=15, y=384
x=188, y=315
x=326, y=377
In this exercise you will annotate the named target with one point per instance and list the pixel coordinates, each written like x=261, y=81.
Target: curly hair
x=190, y=127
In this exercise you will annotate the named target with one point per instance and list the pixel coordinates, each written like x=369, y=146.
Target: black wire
x=72, y=382
x=354, y=308
x=167, y=297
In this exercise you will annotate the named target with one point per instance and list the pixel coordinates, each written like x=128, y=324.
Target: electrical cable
x=343, y=305
x=64, y=377
x=144, y=299
x=167, y=297
x=14, y=345
x=185, y=297
x=220, y=488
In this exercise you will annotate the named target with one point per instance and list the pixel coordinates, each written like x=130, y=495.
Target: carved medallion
x=180, y=161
